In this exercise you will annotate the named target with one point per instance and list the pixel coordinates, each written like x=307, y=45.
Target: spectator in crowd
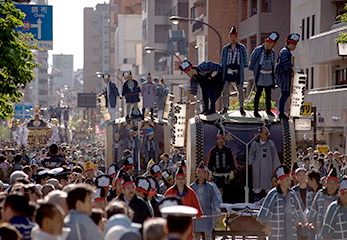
x=176, y=156
x=153, y=229
x=54, y=160
x=98, y=216
x=9, y=232
x=17, y=162
x=322, y=168
x=165, y=162
x=79, y=201
x=50, y=220
x=14, y=212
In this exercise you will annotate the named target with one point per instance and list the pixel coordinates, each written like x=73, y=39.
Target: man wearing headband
x=221, y=161
x=233, y=59
x=111, y=94
x=335, y=220
x=210, y=78
x=131, y=90
x=321, y=202
x=284, y=70
x=263, y=64
x=162, y=93
x=281, y=211
x=150, y=147
x=264, y=159
x=149, y=93
x=133, y=144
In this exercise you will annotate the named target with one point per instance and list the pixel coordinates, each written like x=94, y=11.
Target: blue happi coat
x=205, y=69
x=283, y=72
x=209, y=202
x=161, y=92
x=243, y=61
x=131, y=90
x=335, y=222
x=318, y=209
x=256, y=62
x=282, y=213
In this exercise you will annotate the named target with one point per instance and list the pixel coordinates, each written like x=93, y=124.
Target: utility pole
x=314, y=124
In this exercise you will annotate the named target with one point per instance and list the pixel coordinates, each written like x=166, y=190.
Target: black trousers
x=268, y=97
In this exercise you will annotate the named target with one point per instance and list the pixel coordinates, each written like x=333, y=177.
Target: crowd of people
x=66, y=192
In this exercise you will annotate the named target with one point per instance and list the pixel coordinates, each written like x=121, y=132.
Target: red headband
x=282, y=177
x=343, y=191
x=291, y=41
x=100, y=199
x=269, y=40
x=220, y=136
x=116, y=180
x=156, y=174
x=127, y=183
x=187, y=69
x=180, y=175
x=233, y=34
x=127, y=167
x=333, y=178
x=141, y=190
x=88, y=170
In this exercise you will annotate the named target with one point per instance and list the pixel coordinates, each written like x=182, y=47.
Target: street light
x=176, y=19
x=150, y=49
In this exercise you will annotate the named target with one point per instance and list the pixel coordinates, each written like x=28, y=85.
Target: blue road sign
x=39, y=22
x=23, y=110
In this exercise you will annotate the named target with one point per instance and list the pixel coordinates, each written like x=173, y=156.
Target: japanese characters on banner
x=168, y=105
x=298, y=94
x=200, y=42
x=179, y=124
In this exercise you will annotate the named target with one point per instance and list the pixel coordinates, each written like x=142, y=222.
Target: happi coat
x=257, y=58
x=241, y=59
x=264, y=159
x=209, y=202
x=149, y=92
x=282, y=213
x=162, y=93
x=335, y=222
x=283, y=72
x=318, y=209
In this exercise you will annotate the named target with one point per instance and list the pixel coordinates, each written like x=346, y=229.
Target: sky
x=68, y=28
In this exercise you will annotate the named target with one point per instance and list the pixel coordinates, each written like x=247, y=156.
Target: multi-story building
x=96, y=46
x=221, y=15
x=64, y=64
x=326, y=72
x=158, y=32
x=257, y=19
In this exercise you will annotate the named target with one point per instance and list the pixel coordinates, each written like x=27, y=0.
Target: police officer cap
x=179, y=211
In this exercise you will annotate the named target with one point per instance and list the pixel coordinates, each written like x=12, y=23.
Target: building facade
x=96, y=47
x=326, y=72
x=64, y=63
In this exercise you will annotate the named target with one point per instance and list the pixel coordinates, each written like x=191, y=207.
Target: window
x=161, y=33
x=106, y=59
x=303, y=29
x=162, y=7
x=106, y=45
x=254, y=9
x=266, y=5
x=306, y=78
x=106, y=15
x=106, y=30
x=308, y=28
x=312, y=70
x=312, y=25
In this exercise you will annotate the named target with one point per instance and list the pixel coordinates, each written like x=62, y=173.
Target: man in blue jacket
x=210, y=78
x=111, y=97
x=131, y=91
x=284, y=70
x=233, y=59
x=263, y=64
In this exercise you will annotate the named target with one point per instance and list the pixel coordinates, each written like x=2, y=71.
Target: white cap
x=178, y=211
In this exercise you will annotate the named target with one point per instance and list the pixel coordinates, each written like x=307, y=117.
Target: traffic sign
x=39, y=22
x=23, y=110
x=307, y=109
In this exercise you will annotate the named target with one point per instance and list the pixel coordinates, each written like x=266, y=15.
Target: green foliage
x=250, y=104
x=342, y=36
x=16, y=59
x=76, y=121
x=5, y=133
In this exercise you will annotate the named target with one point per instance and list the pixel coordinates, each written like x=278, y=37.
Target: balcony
x=330, y=103
x=322, y=47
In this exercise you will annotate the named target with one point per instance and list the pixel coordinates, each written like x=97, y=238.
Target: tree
x=250, y=104
x=5, y=134
x=342, y=36
x=16, y=59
